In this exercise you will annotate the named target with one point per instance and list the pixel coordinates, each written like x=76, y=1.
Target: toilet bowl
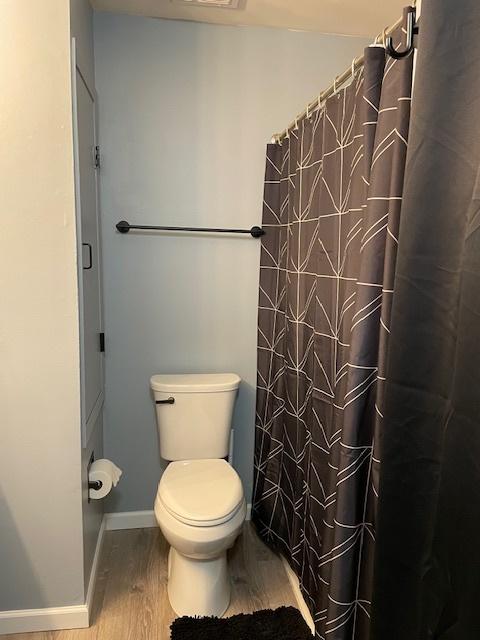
x=200, y=508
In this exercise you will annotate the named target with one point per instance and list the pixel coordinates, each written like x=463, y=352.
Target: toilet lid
x=201, y=492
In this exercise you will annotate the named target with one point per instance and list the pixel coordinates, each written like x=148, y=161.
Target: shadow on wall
x=20, y=587
x=244, y=429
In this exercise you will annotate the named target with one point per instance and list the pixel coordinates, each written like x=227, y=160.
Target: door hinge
x=96, y=157
x=102, y=342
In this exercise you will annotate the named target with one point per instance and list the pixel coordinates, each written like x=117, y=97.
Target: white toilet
x=200, y=506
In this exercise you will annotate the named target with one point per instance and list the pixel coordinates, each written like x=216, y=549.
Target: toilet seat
x=201, y=493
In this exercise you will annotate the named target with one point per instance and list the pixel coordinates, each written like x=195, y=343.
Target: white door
x=86, y=161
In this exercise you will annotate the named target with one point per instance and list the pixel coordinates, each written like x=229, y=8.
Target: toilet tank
x=194, y=414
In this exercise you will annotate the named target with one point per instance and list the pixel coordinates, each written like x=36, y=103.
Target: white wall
x=185, y=113
x=41, y=556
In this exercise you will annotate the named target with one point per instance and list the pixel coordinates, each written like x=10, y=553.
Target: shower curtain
x=427, y=583
x=333, y=192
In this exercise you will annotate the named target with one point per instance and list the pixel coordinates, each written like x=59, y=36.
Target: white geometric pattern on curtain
x=331, y=212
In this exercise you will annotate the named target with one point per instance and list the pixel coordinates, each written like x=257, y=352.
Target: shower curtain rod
x=340, y=80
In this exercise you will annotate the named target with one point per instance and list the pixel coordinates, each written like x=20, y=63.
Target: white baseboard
x=140, y=519
x=130, y=520
x=302, y=605
x=55, y=618
x=48, y=619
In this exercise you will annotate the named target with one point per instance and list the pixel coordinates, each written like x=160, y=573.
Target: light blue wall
x=185, y=111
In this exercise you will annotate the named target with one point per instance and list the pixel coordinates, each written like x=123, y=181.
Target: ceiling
x=348, y=17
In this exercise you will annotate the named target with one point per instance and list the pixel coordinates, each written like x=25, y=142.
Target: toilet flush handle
x=167, y=401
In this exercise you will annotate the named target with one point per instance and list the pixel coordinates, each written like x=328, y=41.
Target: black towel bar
x=124, y=227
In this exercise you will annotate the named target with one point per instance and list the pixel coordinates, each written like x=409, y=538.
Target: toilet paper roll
x=108, y=474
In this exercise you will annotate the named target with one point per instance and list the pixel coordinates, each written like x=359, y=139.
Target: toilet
x=200, y=505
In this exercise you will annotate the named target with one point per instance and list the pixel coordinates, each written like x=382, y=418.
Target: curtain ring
x=335, y=86
x=353, y=67
x=384, y=38
x=308, y=111
x=296, y=124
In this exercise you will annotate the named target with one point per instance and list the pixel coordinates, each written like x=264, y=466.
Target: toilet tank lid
x=195, y=382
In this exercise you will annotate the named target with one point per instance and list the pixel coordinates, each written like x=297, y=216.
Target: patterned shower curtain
x=333, y=192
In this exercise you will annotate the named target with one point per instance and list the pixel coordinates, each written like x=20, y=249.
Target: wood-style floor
x=131, y=600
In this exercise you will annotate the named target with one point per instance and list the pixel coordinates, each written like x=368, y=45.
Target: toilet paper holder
x=96, y=485
x=103, y=479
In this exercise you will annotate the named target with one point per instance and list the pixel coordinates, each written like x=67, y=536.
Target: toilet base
x=198, y=587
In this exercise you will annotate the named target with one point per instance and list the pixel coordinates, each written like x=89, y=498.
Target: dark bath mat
x=285, y=623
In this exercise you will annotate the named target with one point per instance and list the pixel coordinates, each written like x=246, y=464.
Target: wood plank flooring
x=131, y=600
